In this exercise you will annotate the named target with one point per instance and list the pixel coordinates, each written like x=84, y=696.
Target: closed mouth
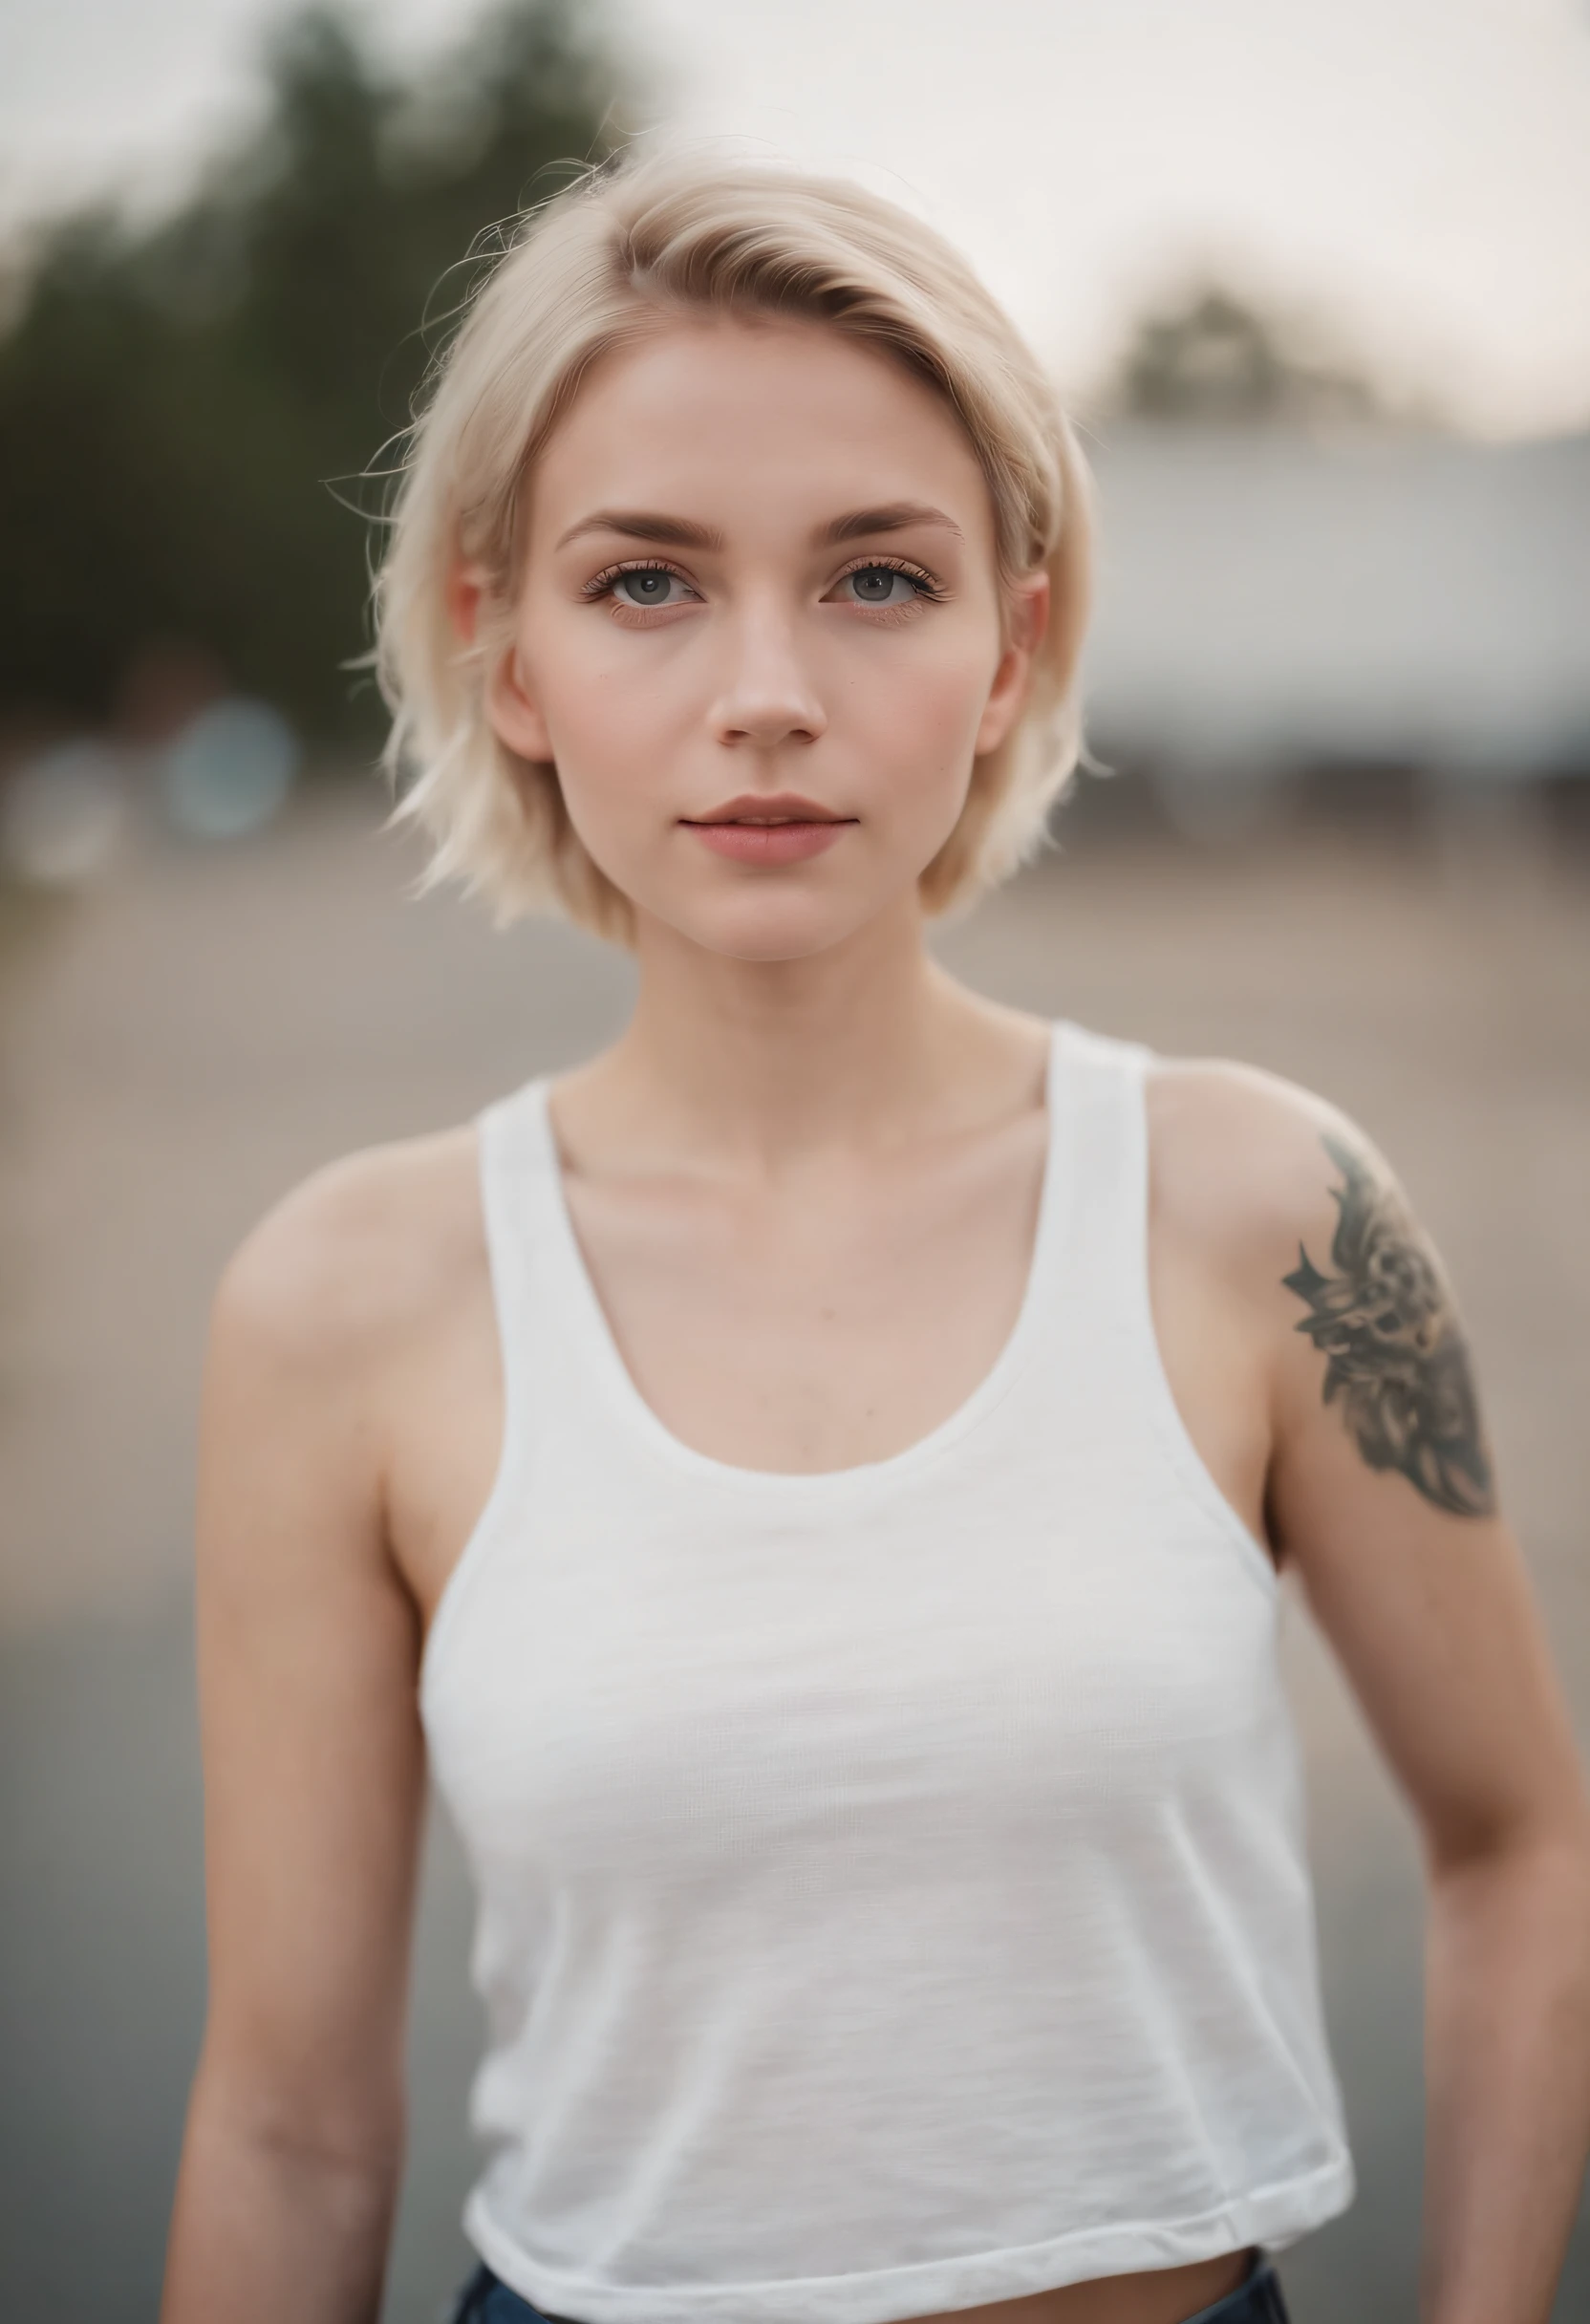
x=769, y=813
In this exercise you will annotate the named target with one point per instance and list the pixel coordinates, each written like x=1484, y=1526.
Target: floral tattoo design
x=1395, y=1356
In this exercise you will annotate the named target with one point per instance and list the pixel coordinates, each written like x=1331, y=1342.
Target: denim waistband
x=1256, y=2300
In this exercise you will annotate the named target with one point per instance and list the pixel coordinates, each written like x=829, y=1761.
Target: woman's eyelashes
x=886, y=585
x=878, y=585
x=642, y=588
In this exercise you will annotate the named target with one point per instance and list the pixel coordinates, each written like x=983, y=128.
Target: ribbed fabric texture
x=892, y=1886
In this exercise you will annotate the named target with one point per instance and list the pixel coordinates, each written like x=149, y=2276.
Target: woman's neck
x=764, y=1065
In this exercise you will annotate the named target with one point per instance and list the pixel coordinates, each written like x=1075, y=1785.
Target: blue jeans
x=484, y=2300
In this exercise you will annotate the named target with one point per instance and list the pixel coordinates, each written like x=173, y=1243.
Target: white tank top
x=892, y=1887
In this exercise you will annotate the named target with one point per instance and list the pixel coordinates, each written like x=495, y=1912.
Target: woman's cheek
x=926, y=735
x=607, y=737
x=613, y=797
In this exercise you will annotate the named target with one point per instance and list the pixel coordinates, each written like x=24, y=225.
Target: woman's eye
x=649, y=584
x=883, y=584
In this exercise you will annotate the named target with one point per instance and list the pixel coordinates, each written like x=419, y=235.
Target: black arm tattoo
x=1394, y=1349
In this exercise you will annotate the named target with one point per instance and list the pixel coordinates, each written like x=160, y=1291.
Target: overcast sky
x=1415, y=172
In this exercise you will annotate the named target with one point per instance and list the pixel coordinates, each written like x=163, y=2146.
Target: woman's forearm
x=1507, y=2073
x=267, y=2227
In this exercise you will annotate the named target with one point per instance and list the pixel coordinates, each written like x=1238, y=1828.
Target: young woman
x=813, y=1479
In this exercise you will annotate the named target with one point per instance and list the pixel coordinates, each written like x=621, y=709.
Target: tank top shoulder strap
x=1102, y=1112
x=513, y=1156
x=519, y=1200
x=1101, y=1232
x=514, y=1159
x=1101, y=1121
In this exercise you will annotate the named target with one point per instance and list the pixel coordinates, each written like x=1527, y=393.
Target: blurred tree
x=1215, y=358
x=178, y=404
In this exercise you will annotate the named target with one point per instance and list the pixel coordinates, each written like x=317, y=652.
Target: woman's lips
x=790, y=841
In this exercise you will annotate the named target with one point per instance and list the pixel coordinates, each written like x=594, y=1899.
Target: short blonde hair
x=598, y=265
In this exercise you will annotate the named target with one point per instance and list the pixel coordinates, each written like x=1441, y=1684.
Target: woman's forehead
x=800, y=413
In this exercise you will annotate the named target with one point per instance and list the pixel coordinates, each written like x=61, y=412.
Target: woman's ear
x=1027, y=624
x=512, y=709
x=467, y=587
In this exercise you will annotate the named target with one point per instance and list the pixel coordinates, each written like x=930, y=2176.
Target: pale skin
x=808, y=1150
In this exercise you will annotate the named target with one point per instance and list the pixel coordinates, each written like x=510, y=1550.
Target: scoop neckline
x=616, y=1381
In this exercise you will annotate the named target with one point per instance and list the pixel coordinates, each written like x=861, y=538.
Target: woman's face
x=761, y=631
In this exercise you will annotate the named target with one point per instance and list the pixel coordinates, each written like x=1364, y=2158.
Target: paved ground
x=181, y=1045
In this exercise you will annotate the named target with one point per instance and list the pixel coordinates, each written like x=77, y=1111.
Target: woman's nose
x=768, y=695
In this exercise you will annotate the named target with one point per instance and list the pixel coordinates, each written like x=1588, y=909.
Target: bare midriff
x=1161, y=2295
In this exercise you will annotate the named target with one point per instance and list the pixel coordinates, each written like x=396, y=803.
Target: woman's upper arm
x=1383, y=1496
x=1379, y=1486
x=307, y=1651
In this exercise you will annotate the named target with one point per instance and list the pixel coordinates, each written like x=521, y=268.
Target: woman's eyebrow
x=681, y=532
x=640, y=525
x=893, y=517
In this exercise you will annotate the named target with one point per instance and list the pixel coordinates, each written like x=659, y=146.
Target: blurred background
x=1316, y=284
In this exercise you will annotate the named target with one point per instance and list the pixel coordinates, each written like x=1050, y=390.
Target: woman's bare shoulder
x=361, y=1255
x=1244, y=1161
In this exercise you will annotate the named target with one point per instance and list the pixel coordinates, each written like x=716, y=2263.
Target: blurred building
x=1271, y=597
x=1290, y=578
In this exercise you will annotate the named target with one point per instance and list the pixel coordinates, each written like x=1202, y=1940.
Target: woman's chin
x=770, y=921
